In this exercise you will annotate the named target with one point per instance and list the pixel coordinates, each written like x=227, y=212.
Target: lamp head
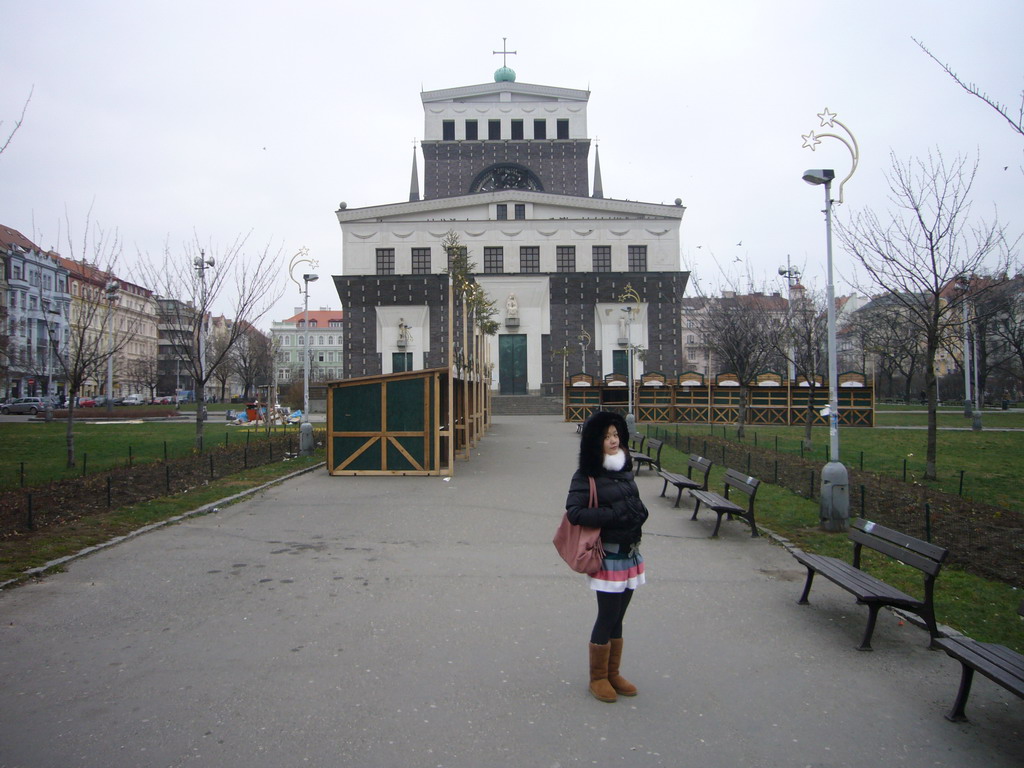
x=819, y=175
x=310, y=278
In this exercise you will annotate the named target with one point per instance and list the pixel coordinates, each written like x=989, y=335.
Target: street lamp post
x=967, y=362
x=792, y=275
x=835, y=480
x=111, y=290
x=306, y=279
x=305, y=429
x=630, y=295
x=201, y=263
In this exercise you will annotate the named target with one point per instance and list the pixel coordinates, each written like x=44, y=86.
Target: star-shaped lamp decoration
x=827, y=118
x=810, y=141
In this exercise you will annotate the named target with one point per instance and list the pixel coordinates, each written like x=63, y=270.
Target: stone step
x=526, y=405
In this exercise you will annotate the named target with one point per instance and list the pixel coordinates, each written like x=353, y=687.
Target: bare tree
x=892, y=340
x=252, y=359
x=802, y=341
x=21, y=118
x=927, y=244
x=201, y=278
x=1016, y=123
x=745, y=333
x=93, y=334
x=142, y=373
x=1007, y=331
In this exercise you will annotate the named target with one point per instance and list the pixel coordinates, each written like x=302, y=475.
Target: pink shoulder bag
x=580, y=545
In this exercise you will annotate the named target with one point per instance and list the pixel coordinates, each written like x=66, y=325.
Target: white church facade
x=506, y=168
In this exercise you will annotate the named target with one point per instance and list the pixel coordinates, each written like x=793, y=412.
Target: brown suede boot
x=621, y=685
x=600, y=688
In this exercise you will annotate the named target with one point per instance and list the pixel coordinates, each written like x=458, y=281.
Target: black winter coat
x=620, y=513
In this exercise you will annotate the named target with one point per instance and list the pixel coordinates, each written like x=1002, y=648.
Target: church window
x=471, y=130
x=494, y=130
x=385, y=261
x=563, y=129
x=565, y=258
x=460, y=251
x=602, y=258
x=520, y=211
x=494, y=261
x=529, y=258
x=421, y=261
x=540, y=128
x=502, y=211
x=517, y=130
x=448, y=130
x=637, y=258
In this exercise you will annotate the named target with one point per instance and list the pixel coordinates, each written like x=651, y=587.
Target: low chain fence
x=983, y=539
x=62, y=501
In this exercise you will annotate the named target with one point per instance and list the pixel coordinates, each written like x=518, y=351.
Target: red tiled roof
x=322, y=317
x=9, y=237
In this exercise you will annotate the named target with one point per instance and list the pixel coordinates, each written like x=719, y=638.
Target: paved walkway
x=427, y=622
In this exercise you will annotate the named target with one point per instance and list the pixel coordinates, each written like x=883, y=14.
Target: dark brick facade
x=572, y=300
x=360, y=294
x=573, y=297
x=451, y=166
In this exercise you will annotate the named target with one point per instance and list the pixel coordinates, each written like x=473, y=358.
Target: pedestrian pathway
x=391, y=622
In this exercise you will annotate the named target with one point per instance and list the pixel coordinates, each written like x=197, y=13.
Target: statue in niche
x=511, y=307
x=623, y=327
x=403, y=331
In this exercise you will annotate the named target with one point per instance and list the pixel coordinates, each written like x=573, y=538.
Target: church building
x=579, y=280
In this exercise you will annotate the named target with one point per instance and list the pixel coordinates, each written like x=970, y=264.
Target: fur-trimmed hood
x=592, y=442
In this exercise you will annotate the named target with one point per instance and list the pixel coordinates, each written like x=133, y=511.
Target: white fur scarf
x=615, y=462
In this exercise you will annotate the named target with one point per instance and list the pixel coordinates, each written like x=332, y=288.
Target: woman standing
x=620, y=514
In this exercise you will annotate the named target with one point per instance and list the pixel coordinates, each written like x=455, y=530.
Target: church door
x=620, y=362
x=512, y=363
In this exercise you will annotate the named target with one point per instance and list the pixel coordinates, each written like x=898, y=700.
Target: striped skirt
x=619, y=571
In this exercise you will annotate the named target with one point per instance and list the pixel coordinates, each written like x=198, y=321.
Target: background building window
x=540, y=129
x=517, y=130
x=563, y=129
x=421, y=261
x=529, y=258
x=637, y=258
x=448, y=130
x=520, y=211
x=502, y=211
x=494, y=261
x=471, y=130
x=602, y=258
x=385, y=261
x=565, y=258
x=494, y=130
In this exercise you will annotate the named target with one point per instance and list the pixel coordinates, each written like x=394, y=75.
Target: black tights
x=611, y=609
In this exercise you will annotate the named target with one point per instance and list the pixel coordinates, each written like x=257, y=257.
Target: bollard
x=862, y=461
x=305, y=439
x=904, y=470
x=23, y=474
x=167, y=477
x=960, y=492
x=108, y=491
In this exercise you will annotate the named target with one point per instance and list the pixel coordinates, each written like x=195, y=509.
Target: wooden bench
x=652, y=458
x=996, y=662
x=723, y=505
x=686, y=482
x=871, y=591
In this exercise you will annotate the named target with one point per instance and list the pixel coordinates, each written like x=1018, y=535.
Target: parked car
x=164, y=400
x=92, y=402
x=134, y=400
x=31, y=405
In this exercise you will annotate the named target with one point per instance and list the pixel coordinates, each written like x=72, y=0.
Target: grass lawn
x=41, y=449
x=983, y=609
x=990, y=460
x=34, y=549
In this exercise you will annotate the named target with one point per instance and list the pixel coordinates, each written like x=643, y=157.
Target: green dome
x=504, y=75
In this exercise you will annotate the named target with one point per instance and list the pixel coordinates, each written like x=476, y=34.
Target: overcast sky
x=226, y=118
